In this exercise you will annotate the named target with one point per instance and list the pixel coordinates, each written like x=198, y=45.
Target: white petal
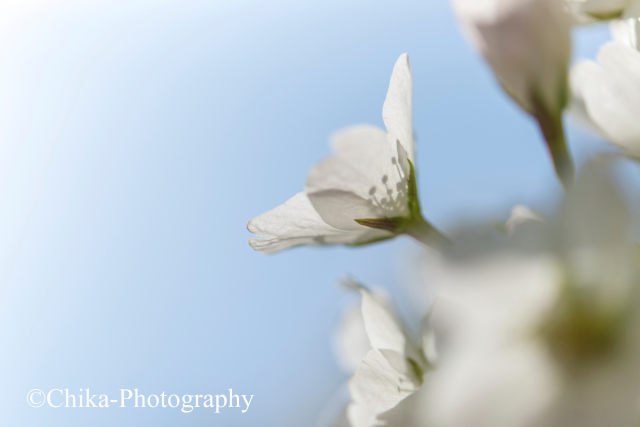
x=375, y=388
x=367, y=166
x=371, y=235
x=579, y=79
x=397, y=109
x=403, y=157
x=622, y=67
x=295, y=223
x=351, y=340
x=486, y=302
x=509, y=388
x=595, y=224
x=273, y=245
x=368, y=153
x=385, y=330
x=594, y=212
x=626, y=31
x=411, y=411
x=340, y=209
x=492, y=371
x=611, y=93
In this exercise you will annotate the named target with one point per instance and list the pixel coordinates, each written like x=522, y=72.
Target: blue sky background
x=138, y=137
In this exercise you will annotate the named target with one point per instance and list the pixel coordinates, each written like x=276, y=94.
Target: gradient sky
x=138, y=137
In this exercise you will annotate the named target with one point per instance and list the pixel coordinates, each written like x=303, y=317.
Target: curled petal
x=295, y=223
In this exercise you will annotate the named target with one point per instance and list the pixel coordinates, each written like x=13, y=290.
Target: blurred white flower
x=366, y=192
x=606, y=94
x=492, y=372
x=548, y=338
x=528, y=45
x=390, y=371
x=521, y=347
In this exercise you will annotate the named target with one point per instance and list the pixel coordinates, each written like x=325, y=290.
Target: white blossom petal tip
x=398, y=105
x=521, y=215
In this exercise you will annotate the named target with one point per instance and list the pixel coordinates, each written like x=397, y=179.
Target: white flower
x=549, y=338
x=490, y=373
x=524, y=343
x=390, y=371
x=606, y=94
x=364, y=193
x=351, y=345
x=528, y=45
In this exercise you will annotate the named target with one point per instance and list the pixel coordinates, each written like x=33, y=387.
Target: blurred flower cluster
x=535, y=323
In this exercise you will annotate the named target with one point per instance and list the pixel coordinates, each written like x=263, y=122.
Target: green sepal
x=394, y=225
x=412, y=193
x=416, y=369
x=413, y=224
x=607, y=16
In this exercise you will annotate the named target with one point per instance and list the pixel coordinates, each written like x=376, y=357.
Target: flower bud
x=528, y=45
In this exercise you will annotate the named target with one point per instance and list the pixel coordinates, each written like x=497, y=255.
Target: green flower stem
x=553, y=131
x=421, y=230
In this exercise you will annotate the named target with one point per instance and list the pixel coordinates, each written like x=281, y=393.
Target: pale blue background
x=138, y=137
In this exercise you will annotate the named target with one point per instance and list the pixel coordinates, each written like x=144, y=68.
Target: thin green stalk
x=552, y=129
x=424, y=232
